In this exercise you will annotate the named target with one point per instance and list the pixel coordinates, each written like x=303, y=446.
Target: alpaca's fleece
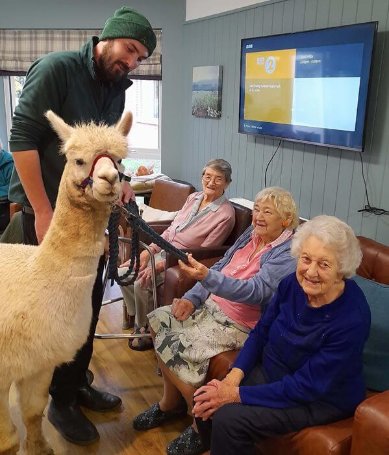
x=45, y=290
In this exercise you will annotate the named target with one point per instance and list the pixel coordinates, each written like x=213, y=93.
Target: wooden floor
x=132, y=376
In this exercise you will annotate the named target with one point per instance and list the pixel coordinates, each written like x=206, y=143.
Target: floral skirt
x=187, y=346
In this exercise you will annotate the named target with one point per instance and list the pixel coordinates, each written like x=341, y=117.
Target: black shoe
x=154, y=417
x=72, y=424
x=188, y=443
x=96, y=400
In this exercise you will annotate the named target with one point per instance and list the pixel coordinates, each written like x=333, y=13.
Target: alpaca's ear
x=59, y=126
x=125, y=123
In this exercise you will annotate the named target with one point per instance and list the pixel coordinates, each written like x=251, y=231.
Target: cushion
x=150, y=214
x=376, y=352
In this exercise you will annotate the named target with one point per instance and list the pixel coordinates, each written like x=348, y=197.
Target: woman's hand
x=209, y=398
x=182, y=309
x=144, y=259
x=195, y=269
x=234, y=377
x=145, y=274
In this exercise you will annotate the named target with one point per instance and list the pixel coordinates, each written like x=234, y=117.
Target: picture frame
x=207, y=91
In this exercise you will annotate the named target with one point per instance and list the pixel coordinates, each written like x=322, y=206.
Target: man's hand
x=182, y=309
x=127, y=193
x=195, y=269
x=42, y=223
x=209, y=398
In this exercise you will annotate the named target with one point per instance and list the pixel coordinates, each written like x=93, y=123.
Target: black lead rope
x=131, y=213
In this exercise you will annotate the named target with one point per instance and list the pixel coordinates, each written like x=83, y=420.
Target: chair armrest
x=371, y=426
x=205, y=255
x=158, y=226
x=220, y=365
x=175, y=285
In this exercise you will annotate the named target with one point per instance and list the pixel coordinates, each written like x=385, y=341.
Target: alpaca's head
x=93, y=154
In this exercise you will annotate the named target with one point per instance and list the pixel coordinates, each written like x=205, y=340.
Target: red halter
x=88, y=180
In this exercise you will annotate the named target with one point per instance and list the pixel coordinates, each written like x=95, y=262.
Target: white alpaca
x=45, y=290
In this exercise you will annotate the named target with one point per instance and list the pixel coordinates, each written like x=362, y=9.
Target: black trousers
x=69, y=377
x=235, y=428
x=4, y=215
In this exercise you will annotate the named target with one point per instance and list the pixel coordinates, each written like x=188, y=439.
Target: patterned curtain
x=20, y=48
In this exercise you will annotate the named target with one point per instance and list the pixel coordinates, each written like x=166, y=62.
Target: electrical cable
x=368, y=208
x=271, y=159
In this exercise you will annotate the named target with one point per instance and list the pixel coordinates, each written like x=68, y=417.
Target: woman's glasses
x=207, y=178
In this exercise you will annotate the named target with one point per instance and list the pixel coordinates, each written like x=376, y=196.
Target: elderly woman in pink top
x=206, y=219
x=219, y=311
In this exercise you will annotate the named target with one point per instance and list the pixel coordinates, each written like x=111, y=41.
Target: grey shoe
x=188, y=443
x=154, y=417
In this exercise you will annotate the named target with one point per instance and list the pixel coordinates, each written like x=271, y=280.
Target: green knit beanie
x=128, y=23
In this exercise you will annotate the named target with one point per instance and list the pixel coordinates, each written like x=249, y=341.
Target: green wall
x=322, y=180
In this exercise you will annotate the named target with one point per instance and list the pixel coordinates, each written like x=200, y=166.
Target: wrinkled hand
x=127, y=193
x=144, y=259
x=209, y=398
x=195, y=269
x=144, y=278
x=234, y=377
x=145, y=275
x=42, y=223
x=182, y=309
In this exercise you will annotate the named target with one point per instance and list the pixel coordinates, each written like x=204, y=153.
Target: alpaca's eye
x=80, y=162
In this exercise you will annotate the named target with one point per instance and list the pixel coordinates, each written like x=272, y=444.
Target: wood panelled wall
x=322, y=180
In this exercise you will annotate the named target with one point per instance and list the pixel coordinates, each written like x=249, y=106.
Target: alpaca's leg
x=9, y=440
x=33, y=396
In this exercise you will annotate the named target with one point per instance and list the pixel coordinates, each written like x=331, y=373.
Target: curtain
x=20, y=48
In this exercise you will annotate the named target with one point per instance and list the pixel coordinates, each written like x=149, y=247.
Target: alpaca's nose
x=110, y=177
x=105, y=170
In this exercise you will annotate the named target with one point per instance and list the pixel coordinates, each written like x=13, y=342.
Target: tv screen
x=308, y=86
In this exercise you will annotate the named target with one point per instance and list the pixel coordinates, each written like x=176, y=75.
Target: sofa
x=367, y=433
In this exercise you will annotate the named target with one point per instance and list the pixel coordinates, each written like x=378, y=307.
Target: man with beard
x=81, y=86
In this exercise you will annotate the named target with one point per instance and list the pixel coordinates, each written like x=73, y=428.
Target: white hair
x=335, y=234
x=283, y=202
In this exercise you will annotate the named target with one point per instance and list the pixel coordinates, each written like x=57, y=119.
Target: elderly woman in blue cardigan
x=302, y=364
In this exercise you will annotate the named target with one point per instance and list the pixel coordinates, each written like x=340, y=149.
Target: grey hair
x=283, y=202
x=220, y=165
x=335, y=234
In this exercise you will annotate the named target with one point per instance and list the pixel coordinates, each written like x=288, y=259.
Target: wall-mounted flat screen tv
x=308, y=86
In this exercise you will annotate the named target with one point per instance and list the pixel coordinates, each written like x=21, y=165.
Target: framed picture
x=207, y=91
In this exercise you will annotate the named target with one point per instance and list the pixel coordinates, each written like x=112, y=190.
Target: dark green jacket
x=66, y=83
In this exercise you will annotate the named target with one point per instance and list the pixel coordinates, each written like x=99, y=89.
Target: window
x=142, y=99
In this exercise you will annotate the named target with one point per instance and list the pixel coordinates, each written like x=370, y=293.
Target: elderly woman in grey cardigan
x=219, y=311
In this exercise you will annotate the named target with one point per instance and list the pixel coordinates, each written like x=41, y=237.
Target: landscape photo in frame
x=207, y=91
